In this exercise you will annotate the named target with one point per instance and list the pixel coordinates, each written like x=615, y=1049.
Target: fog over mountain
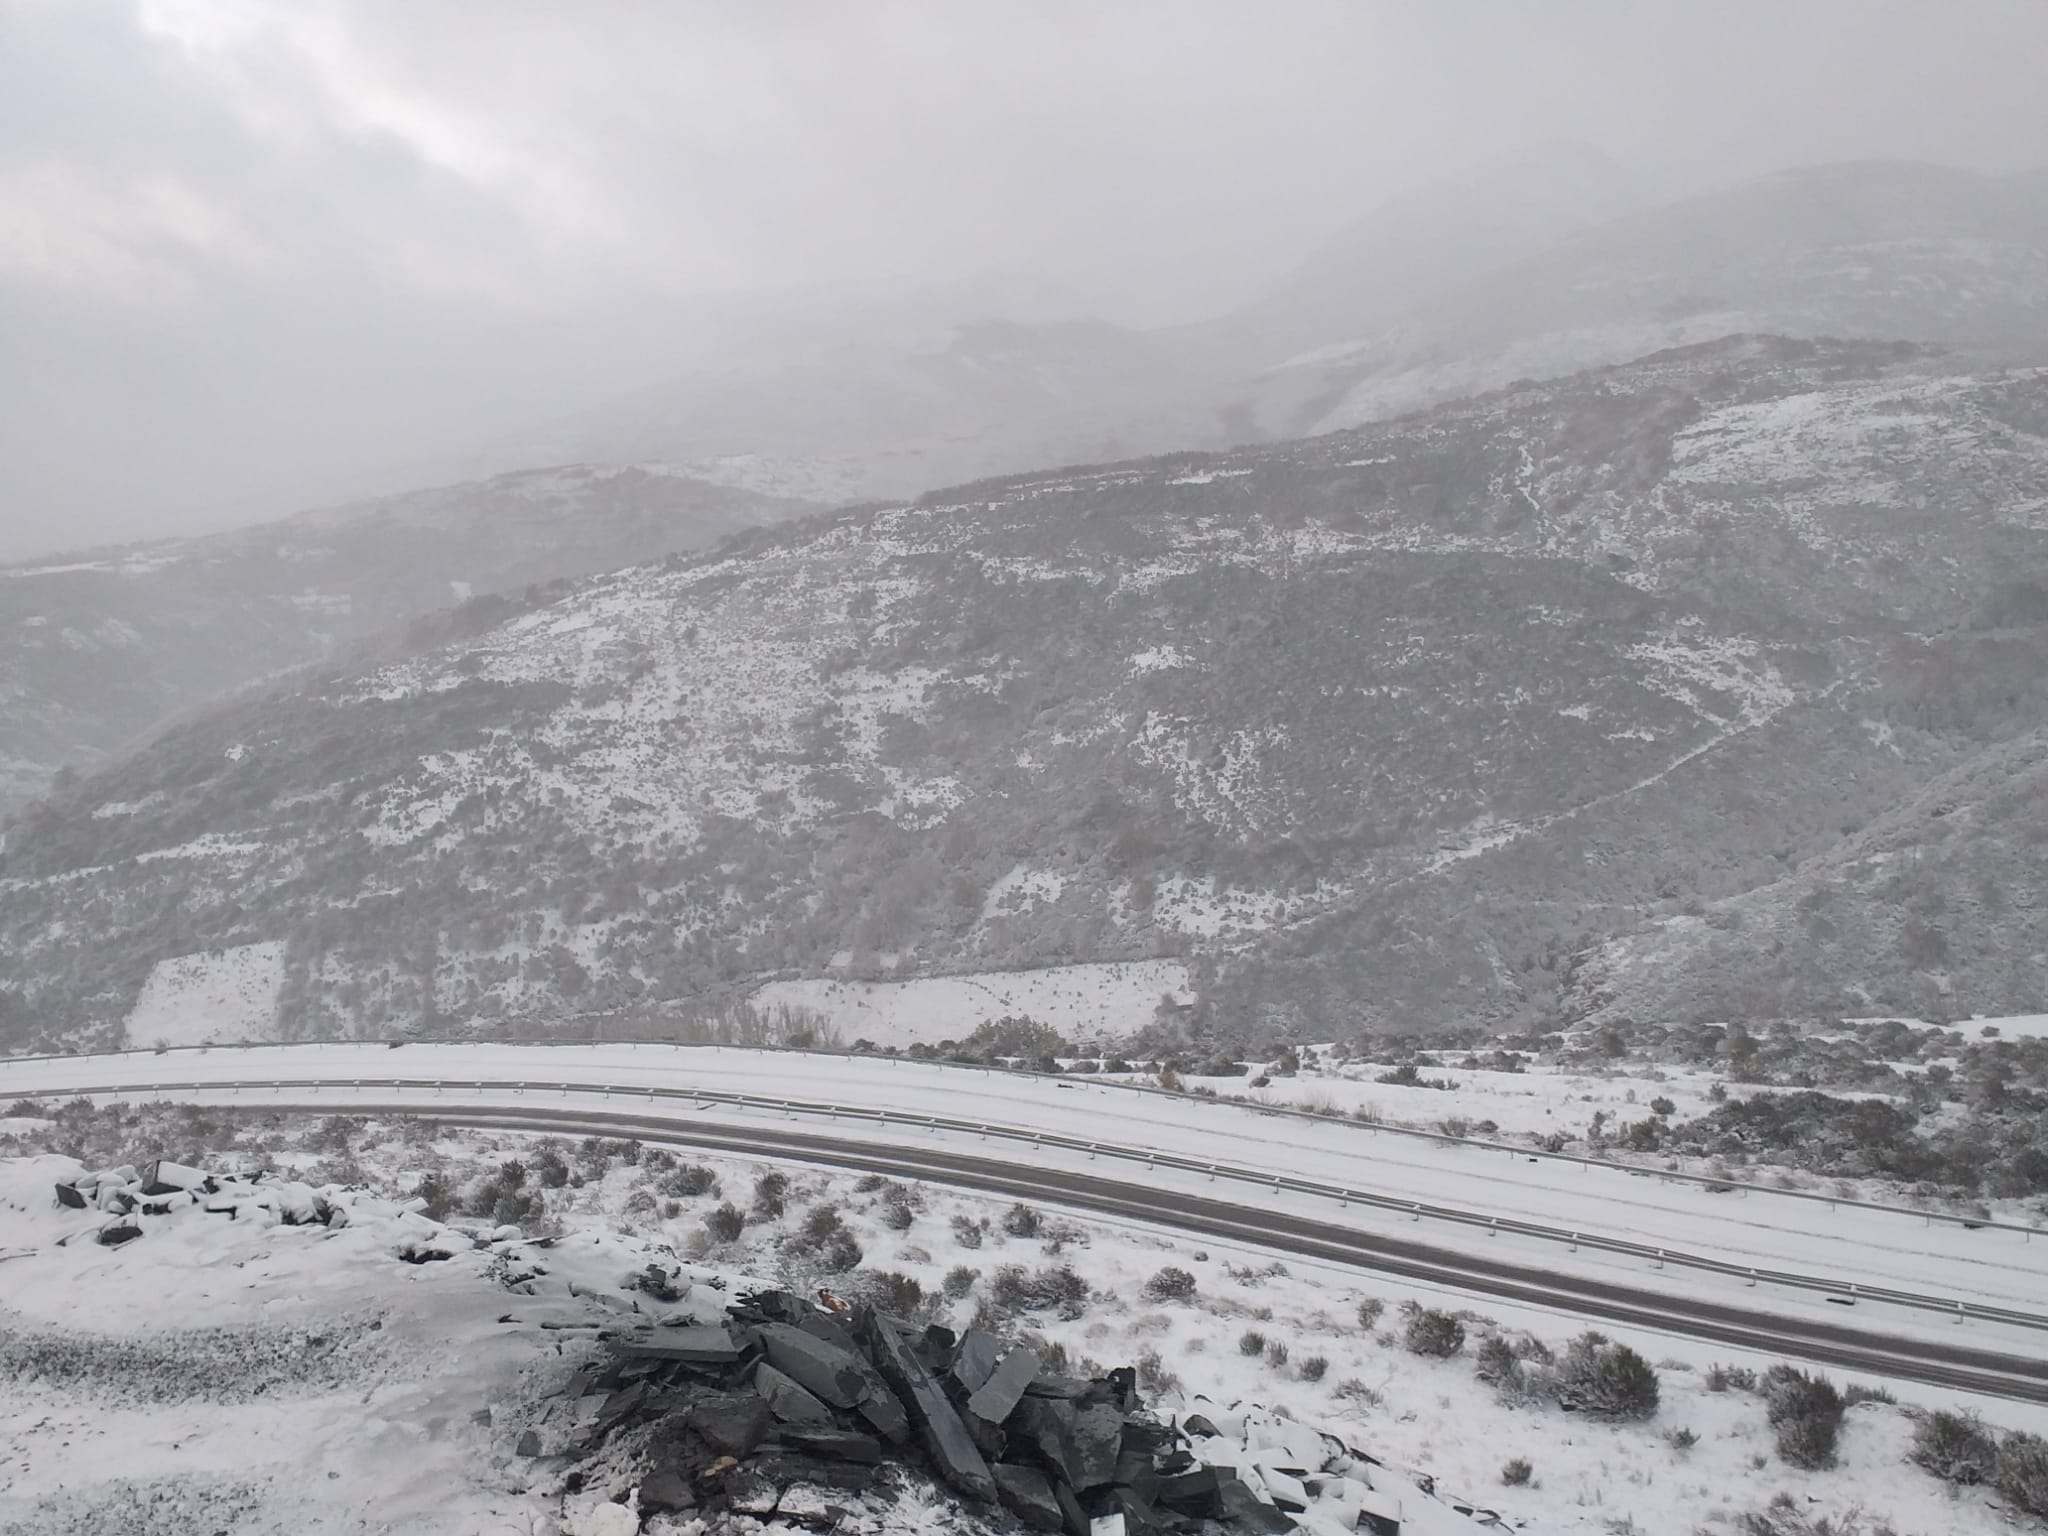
x=254, y=258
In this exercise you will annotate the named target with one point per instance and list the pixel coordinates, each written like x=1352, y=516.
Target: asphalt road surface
x=1906, y=1359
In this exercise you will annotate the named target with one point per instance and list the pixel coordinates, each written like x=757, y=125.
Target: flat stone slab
x=997, y=1398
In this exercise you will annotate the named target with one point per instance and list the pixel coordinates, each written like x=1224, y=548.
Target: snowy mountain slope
x=1875, y=250
x=1382, y=726
x=97, y=648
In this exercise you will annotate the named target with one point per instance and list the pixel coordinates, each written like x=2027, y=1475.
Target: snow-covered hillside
x=1386, y=725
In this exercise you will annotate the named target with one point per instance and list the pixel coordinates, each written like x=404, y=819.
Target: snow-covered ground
x=222, y=995
x=387, y=1437
x=1104, y=1000
x=1755, y=1227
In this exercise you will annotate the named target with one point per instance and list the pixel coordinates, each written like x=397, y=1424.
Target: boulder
x=998, y=1396
x=120, y=1232
x=975, y=1360
x=69, y=1197
x=1070, y=1510
x=787, y=1400
x=1198, y=1493
x=606, y=1520
x=829, y=1373
x=666, y=1493
x=954, y=1454
x=1047, y=1426
x=1097, y=1438
x=839, y=1444
x=164, y=1177
x=688, y=1346
x=529, y=1443
x=734, y=1423
x=1027, y=1494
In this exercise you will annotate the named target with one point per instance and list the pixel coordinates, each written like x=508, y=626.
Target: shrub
x=839, y=1252
x=1251, y=1343
x=1720, y=1378
x=1314, y=1367
x=1022, y=1221
x=1955, y=1447
x=1153, y=1375
x=960, y=1280
x=897, y=1216
x=688, y=1182
x=1517, y=1472
x=439, y=1195
x=1276, y=1353
x=966, y=1232
x=1369, y=1311
x=550, y=1168
x=1494, y=1361
x=1055, y=1287
x=725, y=1223
x=1858, y=1393
x=1170, y=1284
x=771, y=1190
x=1353, y=1390
x=1681, y=1440
x=1607, y=1380
x=821, y=1221
x=1805, y=1412
x=2023, y=1471
x=1432, y=1331
x=891, y=1291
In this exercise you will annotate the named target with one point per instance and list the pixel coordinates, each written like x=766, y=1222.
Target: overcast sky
x=250, y=249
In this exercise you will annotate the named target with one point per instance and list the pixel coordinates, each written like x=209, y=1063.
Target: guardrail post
x=1959, y=1311
x=1575, y=1242
x=1751, y=1282
x=1658, y=1263
x=1493, y=1227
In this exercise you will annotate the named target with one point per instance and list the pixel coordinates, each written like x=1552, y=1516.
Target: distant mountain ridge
x=100, y=647
x=1444, y=719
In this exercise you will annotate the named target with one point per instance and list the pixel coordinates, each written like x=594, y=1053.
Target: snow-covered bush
x=960, y=1280
x=1432, y=1331
x=1517, y=1471
x=1805, y=1412
x=1170, y=1284
x=1251, y=1343
x=1606, y=1379
x=1369, y=1310
x=725, y=1223
x=2023, y=1471
x=1022, y=1221
x=1955, y=1447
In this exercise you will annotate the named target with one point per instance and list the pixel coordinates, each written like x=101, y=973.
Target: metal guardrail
x=1343, y=1194
x=1716, y=1182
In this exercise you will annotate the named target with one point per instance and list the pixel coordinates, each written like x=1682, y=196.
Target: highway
x=1128, y=1183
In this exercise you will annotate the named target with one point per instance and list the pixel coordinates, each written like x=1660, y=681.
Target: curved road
x=1902, y=1358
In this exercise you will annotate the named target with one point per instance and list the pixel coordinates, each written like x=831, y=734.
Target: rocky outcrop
x=783, y=1407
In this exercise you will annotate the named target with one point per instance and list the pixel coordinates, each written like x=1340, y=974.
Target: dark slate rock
x=1047, y=1426
x=1097, y=1438
x=69, y=1197
x=954, y=1454
x=529, y=1443
x=712, y=1345
x=119, y=1233
x=1198, y=1492
x=975, y=1360
x=1195, y=1424
x=787, y=1400
x=1071, y=1388
x=839, y=1444
x=1140, y=1519
x=834, y=1375
x=733, y=1423
x=820, y=1326
x=997, y=1398
x=666, y=1493
x=1076, y=1518
x=625, y=1401
x=1249, y=1512
x=1026, y=1493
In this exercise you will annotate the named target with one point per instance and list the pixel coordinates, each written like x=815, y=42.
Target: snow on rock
x=219, y=996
